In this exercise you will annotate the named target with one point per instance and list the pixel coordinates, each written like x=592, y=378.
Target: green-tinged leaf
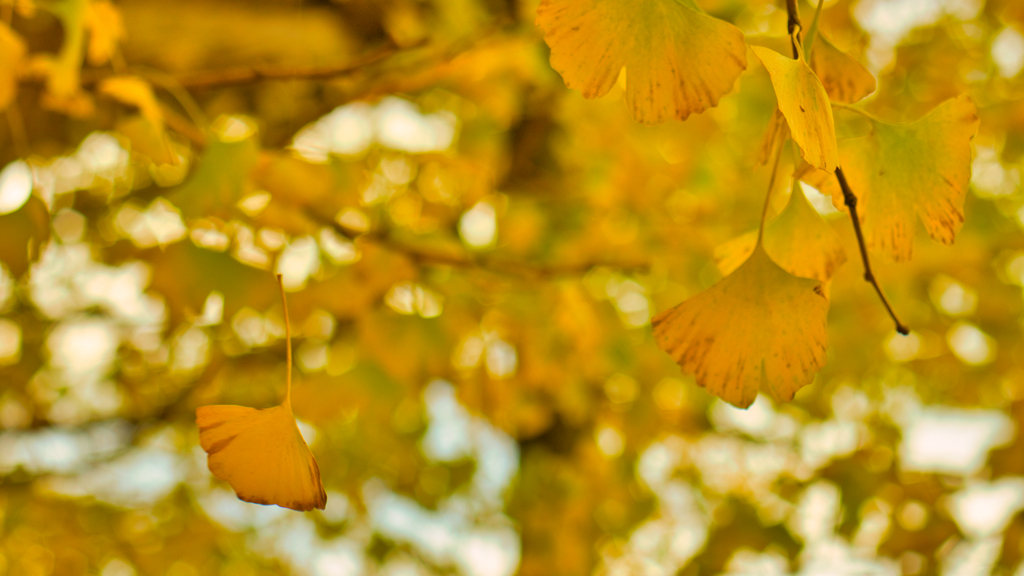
x=220, y=181
x=900, y=171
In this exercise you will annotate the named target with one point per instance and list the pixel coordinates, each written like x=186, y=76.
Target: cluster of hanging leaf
x=763, y=327
x=467, y=242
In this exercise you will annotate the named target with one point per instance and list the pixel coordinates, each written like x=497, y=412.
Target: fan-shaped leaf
x=799, y=240
x=759, y=328
x=899, y=170
x=844, y=79
x=262, y=455
x=678, y=61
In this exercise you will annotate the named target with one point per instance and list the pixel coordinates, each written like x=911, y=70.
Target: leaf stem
x=851, y=202
x=771, y=186
x=849, y=108
x=793, y=26
x=288, y=343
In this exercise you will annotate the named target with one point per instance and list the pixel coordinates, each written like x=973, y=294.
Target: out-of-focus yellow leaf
x=106, y=31
x=678, y=61
x=799, y=240
x=147, y=139
x=901, y=170
x=262, y=455
x=221, y=180
x=776, y=133
x=804, y=103
x=185, y=274
x=12, y=55
x=759, y=328
x=134, y=91
x=23, y=233
x=844, y=79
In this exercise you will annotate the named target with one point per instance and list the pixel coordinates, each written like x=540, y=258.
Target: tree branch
x=465, y=260
x=851, y=202
x=250, y=75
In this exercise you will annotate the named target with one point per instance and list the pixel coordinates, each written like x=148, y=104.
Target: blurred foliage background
x=473, y=253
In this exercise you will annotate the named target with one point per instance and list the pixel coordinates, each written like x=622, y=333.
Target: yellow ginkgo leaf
x=844, y=79
x=12, y=56
x=678, y=61
x=804, y=103
x=262, y=455
x=759, y=328
x=799, y=240
x=900, y=171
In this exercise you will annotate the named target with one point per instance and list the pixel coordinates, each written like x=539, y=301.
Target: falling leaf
x=12, y=55
x=678, y=61
x=804, y=103
x=901, y=170
x=844, y=79
x=262, y=455
x=799, y=240
x=106, y=31
x=759, y=328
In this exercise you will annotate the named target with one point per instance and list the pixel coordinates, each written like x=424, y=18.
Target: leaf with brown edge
x=678, y=61
x=799, y=240
x=900, y=171
x=804, y=103
x=759, y=328
x=844, y=79
x=262, y=455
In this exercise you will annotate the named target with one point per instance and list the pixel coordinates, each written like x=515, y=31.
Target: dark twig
x=851, y=202
x=849, y=199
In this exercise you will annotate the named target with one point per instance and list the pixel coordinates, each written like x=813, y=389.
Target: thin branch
x=851, y=202
x=466, y=260
x=254, y=74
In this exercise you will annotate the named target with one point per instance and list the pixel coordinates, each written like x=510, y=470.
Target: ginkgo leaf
x=901, y=170
x=844, y=79
x=262, y=455
x=12, y=56
x=776, y=133
x=678, y=61
x=759, y=328
x=804, y=103
x=799, y=240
